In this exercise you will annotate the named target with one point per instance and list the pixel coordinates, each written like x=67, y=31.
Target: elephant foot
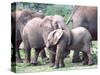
x=76, y=60
x=34, y=64
x=76, y=57
x=27, y=61
x=62, y=65
x=56, y=67
x=91, y=63
x=52, y=64
x=19, y=60
x=85, y=62
x=45, y=60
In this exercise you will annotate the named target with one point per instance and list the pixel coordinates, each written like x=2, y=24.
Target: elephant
x=75, y=39
x=81, y=17
x=35, y=34
x=19, y=18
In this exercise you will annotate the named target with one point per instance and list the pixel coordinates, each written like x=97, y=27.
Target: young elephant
x=76, y=39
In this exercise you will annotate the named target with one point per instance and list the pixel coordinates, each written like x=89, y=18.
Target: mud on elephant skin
x=18, y=20
x=69, y=40
x=35, y=34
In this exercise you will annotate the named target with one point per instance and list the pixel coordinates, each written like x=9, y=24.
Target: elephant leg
x=27, y=49
x=89, y=59
x=18, y=57
x=66, y=53
x=76, y=57
x=87, y=51
x=85, y=58
x=52, y=59
x=62, y=61
x=15, y=57
x=59, y=53
x=27, y=54
x=36, y=54
x=43, y=56
x=13, y=53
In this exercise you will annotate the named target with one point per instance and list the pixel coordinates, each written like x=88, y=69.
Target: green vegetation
x=51, y=9
x=47, y=9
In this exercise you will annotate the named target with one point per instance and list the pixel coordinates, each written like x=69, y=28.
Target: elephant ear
x=57, y=35
x=58, y=22
x=46, y=22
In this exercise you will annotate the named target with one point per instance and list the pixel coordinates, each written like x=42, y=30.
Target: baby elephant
x=77, y=39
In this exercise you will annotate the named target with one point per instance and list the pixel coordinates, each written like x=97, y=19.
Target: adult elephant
x=18, y=20
x=35, y=34
x=85, y=16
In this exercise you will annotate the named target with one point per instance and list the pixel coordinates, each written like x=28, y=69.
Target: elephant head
x=24, y=16
x=59, y=34
x=56, y=40
x=58, y=22
x=54, y=37
x=47, y=22
x=54, y=22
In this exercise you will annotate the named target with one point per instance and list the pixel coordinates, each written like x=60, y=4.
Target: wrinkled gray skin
x=86, y=17
x=35, y=34
x=18, y=20
x=69, y=40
